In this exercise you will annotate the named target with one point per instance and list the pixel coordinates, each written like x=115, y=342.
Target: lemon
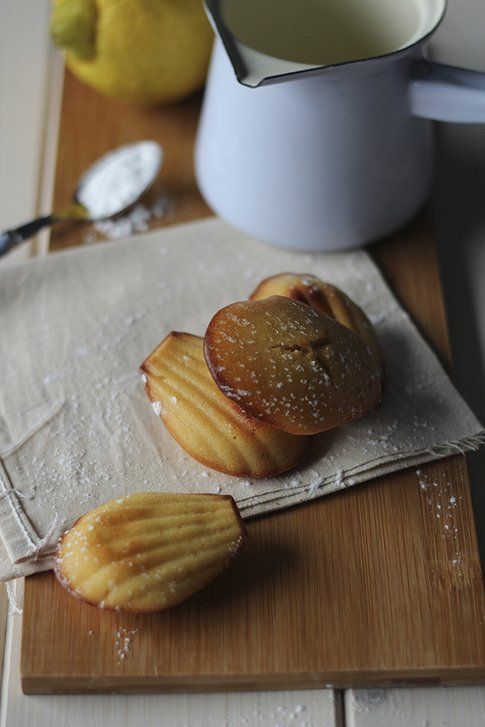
x=141, y=51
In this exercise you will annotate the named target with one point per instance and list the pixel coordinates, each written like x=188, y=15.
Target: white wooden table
x=30, y=95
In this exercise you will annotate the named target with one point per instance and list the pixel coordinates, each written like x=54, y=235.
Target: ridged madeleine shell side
x=149, y=551
x=209, y=426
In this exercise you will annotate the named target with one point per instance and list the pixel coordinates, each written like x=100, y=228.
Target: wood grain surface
x=361, y=588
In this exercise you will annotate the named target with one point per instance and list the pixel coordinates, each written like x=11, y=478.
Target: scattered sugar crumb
x=157, y=407
x=123, y=639
x=135, y=220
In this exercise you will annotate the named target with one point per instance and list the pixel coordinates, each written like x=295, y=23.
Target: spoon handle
x=13, y=237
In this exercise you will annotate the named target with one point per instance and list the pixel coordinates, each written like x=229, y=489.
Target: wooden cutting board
x=361, y=588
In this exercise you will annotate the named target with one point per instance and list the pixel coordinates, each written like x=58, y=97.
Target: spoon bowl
x=109, y=187
x=116, y=181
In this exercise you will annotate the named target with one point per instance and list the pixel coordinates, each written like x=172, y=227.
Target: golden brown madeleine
x=291, y=367
x=208, y=425
x=149, y=551
x=322, y=297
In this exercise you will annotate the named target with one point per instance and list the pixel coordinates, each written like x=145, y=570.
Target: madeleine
x=287, y=365
x=324, y=298
x=209, y=426
x=149, y=551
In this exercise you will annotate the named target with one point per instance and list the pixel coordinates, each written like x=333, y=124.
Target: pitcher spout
x=251, y=67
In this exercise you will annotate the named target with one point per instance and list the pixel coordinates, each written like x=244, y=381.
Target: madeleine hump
x=289, y=366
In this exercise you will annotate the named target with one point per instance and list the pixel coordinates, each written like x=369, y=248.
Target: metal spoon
x=110, y=186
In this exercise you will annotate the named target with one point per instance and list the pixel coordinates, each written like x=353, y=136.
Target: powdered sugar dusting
x=157, y=407
x=136, y=220
x=119, y=178
x=123, y=642
x=442, y=506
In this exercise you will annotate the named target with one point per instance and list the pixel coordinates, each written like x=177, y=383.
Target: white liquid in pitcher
x=322, y=32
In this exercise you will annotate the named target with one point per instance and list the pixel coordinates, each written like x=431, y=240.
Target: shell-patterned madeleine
x=210, y=427
x=323, y=297
x=149, y=551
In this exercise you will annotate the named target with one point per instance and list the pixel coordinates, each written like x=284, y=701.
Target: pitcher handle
x=446, y=93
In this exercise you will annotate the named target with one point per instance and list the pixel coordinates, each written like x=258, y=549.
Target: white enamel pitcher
x=315, y=131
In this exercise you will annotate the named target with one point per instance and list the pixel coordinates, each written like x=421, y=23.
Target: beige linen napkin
x=76, y=427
